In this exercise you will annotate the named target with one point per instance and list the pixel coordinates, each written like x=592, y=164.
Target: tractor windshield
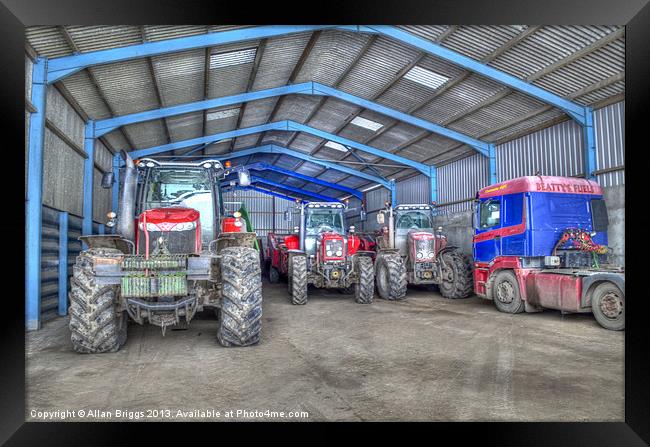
x=182, y=187
x=413, y=220
x=324, y=220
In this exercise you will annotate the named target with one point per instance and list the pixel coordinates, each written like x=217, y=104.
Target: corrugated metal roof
x=473, y=104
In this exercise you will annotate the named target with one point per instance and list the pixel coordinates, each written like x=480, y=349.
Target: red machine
x=321, y=254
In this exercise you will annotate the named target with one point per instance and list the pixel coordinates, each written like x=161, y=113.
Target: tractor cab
x=414, y=233
x=324, y=226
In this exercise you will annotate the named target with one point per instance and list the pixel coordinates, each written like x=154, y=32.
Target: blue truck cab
x=541, y=242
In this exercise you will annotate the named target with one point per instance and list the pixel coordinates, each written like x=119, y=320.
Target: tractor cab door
x=487, y=228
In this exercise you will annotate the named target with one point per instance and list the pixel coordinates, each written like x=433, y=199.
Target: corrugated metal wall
x=459, y=181
x=556, y=150
x=610, y=141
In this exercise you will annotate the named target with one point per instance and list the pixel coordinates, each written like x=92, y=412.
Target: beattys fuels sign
x=582, y=188
x=541, y=183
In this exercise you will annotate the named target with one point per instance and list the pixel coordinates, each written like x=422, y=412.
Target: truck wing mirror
x=107, y=180
x=380, y=218
x=244, y=178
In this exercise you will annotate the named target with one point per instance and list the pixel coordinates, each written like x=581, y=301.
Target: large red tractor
x=174, y=253
x=321, y=254
x=410, y=252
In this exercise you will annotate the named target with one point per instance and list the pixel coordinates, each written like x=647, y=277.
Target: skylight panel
x=336, y=146
x=426, y=77
x=367, y=124
x=221, y=60
x=221, y=114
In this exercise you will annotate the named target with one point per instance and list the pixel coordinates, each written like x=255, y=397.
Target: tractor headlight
x=420, y=255
x=430, y=255
x=184, y=226
x=339, y=253
x=150, y=227
x=329, y=253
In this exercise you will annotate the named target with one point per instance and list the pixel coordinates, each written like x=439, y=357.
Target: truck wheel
x=274, y=275
x=95, y=325
x=391, y=276
x=364, y=290
x=456, y=275
x=240, y=321
x=298, y=280
x=505, y=293
x=608, y=306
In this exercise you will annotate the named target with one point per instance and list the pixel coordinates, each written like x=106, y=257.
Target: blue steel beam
x=61, y=67
x=573, y=109
x=35, y=197
x=274, y=149
x=307, y=88
x=89, y=171
x=304, y=192
x=265, y=191
x=63, y=263
x=269, y=167
x=286, y=125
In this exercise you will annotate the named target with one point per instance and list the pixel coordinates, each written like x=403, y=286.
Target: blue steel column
x=589, y=143
x=63, y=263
x=492, y=160
x=433, y=182
x=89, y=170
x=35, y=197
x=393, y=193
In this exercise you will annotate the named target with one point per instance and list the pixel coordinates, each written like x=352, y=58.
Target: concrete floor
x=425, y=358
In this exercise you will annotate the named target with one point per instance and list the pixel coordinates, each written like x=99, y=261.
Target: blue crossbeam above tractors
x=261, y=166
x=268, y=192
x=302, y=192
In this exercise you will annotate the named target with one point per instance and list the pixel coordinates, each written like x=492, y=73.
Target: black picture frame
x=16, y=14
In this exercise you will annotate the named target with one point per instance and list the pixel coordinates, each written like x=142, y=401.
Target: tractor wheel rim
x=611, y=305
x=505, y=292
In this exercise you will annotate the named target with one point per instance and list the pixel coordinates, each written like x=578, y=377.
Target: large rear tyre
x=96, y=326
x=608, y=306
x=390, y=276
x=364, y=290
x=505, y=293
x=240, y=322
x=298, y=280
x=456, y=275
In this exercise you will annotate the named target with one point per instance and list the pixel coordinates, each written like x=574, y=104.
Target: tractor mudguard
x=225, y=240
x=108, y=241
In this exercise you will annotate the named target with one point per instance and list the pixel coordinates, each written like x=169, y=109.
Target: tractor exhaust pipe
x=126, y=212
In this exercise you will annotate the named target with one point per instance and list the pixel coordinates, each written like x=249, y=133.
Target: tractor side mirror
x=363, y=216
x=107, y=180
x=380, y=218
x=288, y=215
x=244, y=178
x=475, y=209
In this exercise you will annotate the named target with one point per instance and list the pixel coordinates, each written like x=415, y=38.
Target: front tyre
x=456, y=275
x=391, y=276
x=96, y=326
x=240, y=322
x=505, y=293
x=298, y=280
x=608, y=306
x=364, y=289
